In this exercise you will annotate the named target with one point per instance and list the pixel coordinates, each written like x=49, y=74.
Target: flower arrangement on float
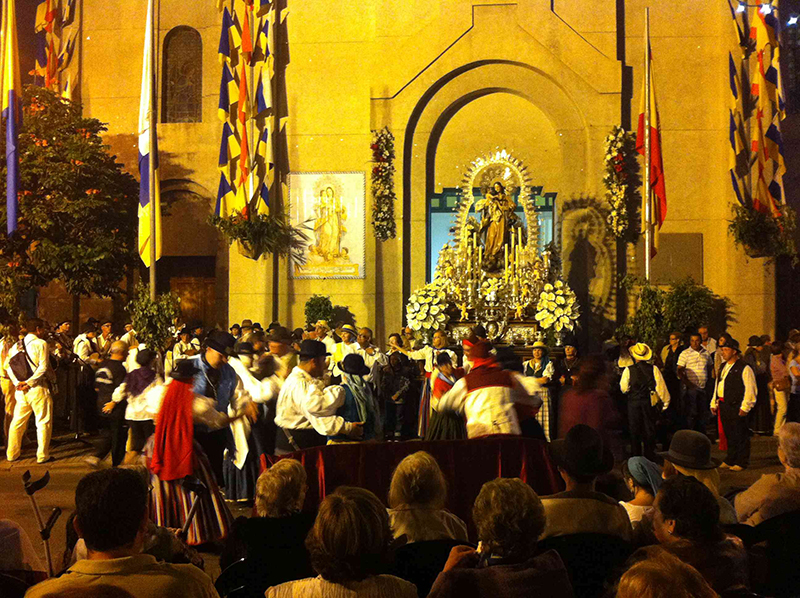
x=622, y=182
x=383, y=222
x=557, y=307
x=426, y=311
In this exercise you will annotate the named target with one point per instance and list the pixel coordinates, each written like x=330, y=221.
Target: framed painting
x=333, y=207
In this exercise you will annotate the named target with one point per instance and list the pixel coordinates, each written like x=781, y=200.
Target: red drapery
x=467, y=465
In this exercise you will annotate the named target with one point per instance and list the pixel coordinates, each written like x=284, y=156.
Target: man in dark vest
x=734, y=398
x=639, y=382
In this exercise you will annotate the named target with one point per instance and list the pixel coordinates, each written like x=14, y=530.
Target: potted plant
x=261, y=234
x=764, y=235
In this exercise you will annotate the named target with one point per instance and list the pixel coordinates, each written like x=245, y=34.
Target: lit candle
x=519, y=232
x=480, y=258
x=505, y=272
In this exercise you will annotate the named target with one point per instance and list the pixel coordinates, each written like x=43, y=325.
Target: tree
x=152, y=319
x=77, y=207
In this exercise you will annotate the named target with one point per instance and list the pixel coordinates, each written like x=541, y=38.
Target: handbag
x=782, y=384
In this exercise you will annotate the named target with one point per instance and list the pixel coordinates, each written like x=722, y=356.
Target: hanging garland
x=622, y=183
x=383, y=185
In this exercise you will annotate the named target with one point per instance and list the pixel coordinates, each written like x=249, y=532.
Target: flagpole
x=251, y=99
x=152, y=161
x=648, y=231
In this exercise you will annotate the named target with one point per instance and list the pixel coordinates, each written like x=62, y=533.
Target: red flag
x=247, y=39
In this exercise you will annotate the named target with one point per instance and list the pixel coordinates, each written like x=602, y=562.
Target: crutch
x=192, y=484
x=32, y=488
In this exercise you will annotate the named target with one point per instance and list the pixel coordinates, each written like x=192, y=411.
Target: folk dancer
x=280, y=347
x=446, y=425
x=344, y=348
x=360, y=405
x=373, y=358
x=109, y=376
x=105, y=339
x=542, y=370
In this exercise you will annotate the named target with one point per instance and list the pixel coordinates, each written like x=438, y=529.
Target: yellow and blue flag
x=226, y=86
x=225, y=42
x=228, y=148
x=148, y=154
x=225, y=197
x=12, y=112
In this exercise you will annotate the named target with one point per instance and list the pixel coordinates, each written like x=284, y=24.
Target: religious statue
x=496, y=225
x=329, y=226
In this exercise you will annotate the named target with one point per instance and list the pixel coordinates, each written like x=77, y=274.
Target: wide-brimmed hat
x=247, y=323
x=312, y=349
x=185, y=369
x=244, y=348
x=541, y=345
x=582, y=452
x=144, y=357
x=690, y=449
x=354, y=364
x=733, y=344
x=235, y=326
x=280, y=335
x=754, y=341
x=322, y=324
x=221, y=342
x=350, y=328
x=641, y=352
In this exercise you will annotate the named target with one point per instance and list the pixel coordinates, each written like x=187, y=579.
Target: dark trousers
x=394, y=417
x=113, y=436
x=793, y=410
x=302, y=438
x=698, y=412
x=737, y=431
x=213, y=444
x=642, y=425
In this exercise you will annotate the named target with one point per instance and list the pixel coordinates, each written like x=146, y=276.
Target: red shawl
x=174, y=439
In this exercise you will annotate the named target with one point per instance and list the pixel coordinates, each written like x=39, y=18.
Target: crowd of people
x=217, y=408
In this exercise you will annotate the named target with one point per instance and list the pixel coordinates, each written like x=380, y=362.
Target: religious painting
x=333, y=207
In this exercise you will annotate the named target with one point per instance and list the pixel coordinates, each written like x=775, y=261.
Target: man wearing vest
x=734, y=398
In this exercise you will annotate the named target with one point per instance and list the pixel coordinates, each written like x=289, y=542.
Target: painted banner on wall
x=333, y=206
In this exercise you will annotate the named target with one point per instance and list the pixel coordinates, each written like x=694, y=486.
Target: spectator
x=693, y=366
x=669, y=369
x=417, y=497
x=395, y=391
x=111, y=507
x=709, y=344
x=776, y=493
x=644, y=385
x=663, y=576
x=587, y=400
x=760, y=415
x=581, y=457
x=781, y=383
x=689, y=454
x=349, y=546
x=568, y=366
x=643, y=479
x=510, y=519
x=278, y=531
x=793, y=413
x=394, y=343
x=686, y=523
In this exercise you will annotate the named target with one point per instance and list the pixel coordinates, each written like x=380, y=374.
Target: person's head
x=215, y=358
x=723, y=340
x=185, y=334
x=730, y=351
x=674, y=339
x=703, y=332
x=444, y=363
x=106, y=326
x=118, y=351
x=219, y=345
x=581, y=455
x=111, y=510
x=312, y=358
x=418, y=480
x=695, y=341
x=776, y=348
x=663, y=575
x=64, y=327
x=539, y=350
x=364, y=338
x=321, y=329
x=591, y=373
x=281, y=489
x=641, y=475
x=351, y=535
x=395, y=339
x=36, y=326
x=279, y=341
x=686, y=509
x=789, y=445
x=348, y=334
x=479, y=332
x=440, y=339
x=570, y=352
x=509, y=518
x=236, y=330
x=397, y=361
x=408, y=333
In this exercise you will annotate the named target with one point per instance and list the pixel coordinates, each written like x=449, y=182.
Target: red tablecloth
x=467, y=465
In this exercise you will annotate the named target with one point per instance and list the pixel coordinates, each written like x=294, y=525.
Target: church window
x=182, y=98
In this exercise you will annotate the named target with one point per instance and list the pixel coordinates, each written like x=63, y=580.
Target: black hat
x=733, y=344
x=257, y=326
x=221, y=342
x=235, y=326
x=691, y=449
x=244, y=349
x=185, y=330
x=754, y=341
x=184, y=370
x=280, y=335
x=311, y=349
x=354, y=364
x=582, y=452
x=144, y=357
x=87, y=327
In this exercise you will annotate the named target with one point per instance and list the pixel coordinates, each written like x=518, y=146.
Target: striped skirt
x=543, y=417
x=170, y=504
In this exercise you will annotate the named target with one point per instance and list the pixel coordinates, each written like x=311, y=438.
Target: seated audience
x=279, y=530
x=18, y=556
x=417, y=497
x=776, y=493
x=643, y=479
x=510, y=519
x=686, y=523
x=111, y=517
x=349, y=546
x=581, y=457
x=689, y=454
x=663, y=576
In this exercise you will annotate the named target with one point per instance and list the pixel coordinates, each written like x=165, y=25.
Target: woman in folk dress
x=542, y=370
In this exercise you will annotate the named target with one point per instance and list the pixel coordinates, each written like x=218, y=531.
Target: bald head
x=119, y=349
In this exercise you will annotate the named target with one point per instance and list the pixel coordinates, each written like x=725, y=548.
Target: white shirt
x=661, y=386
x=84, y=348
x=303, y=404
x=488, y=409
x=330, y=347
x=145, y=405
x=710, y=345
x=750, y=389
x=374, y=362
x=429, y=354
x=696, y=364
x=38, y=360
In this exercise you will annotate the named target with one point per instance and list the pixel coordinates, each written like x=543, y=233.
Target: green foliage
x=152, y=319
x=763, y=235
x=261, y=235
x=684, y=306
x=78, y=208
x=319, y=307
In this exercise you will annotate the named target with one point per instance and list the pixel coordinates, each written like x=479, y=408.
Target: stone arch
x=182, y=79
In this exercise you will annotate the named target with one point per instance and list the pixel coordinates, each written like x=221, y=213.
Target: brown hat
x=280, y=335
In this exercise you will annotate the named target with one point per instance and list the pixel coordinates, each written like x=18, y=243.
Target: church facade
x=544, y=80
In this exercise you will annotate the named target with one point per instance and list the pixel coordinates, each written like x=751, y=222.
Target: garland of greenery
x=262, y=235
x=622, y=183
x=383, y=185
x=764, y=235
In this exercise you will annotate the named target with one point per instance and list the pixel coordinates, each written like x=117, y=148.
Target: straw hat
x=641, y=352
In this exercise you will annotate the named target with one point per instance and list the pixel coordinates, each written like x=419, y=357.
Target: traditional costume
x=542, y=369
x=359, y=405
x=446, y=425
x=429, y=355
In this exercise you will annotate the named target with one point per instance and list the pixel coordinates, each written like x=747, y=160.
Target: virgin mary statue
x=497, y=208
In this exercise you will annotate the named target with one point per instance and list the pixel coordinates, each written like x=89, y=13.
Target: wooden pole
x=152, y=162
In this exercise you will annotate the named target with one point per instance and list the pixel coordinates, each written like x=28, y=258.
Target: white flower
x=548, y=287
x=559, y=284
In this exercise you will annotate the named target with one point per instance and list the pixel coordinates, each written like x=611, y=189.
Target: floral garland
x=426, y=308
x=557, y=307
x=383, y=185
x=622, y=182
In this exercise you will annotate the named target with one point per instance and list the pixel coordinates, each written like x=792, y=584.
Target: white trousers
x=39, y=402
x=781, y=404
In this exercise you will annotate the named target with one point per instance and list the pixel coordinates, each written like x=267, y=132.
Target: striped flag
x=739, y=158
x=225, y=197
x=229, y=147
x=658, y=199
x=148, y=154
x=12, y=111
x=226, y=86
